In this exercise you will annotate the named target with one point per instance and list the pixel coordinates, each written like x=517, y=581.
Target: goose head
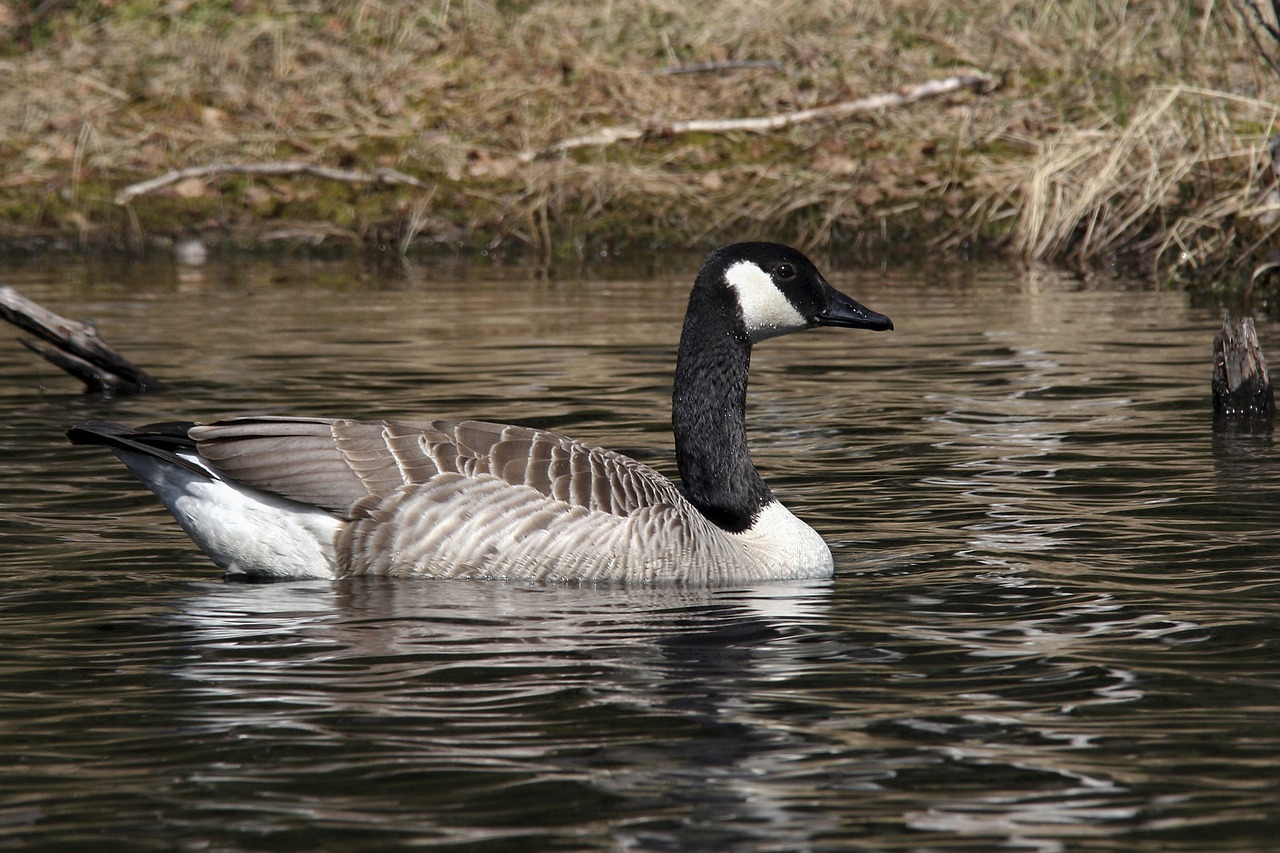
x=777, y=290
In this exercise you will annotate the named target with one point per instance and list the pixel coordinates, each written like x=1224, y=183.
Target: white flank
x=242, y=530
x=782, y=539
x=766, y=311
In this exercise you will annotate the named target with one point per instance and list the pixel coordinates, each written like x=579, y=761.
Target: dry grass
x=1122, y=126
x=1091, y=192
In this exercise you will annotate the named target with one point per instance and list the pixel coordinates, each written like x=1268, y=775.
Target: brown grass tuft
x=1180, y=165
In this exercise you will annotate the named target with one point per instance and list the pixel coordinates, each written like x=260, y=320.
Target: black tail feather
x=161, y=440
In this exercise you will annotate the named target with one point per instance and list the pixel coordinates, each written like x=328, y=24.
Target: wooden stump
x=1241, y=386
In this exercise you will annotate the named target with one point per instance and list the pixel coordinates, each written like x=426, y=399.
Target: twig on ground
x=1259, y=22
x=976, y=82
x=726, y=65
x=77, y=348
x=351, y=176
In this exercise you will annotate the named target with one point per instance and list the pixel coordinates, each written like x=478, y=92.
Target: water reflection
x=539, y=683
x=724, y=708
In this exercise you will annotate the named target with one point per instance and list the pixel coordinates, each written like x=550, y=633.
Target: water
x=1053, y=625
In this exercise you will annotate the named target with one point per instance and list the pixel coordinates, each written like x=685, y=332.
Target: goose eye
x=784, y=272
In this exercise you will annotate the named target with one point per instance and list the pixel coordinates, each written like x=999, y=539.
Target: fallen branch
x=77, y=349
x=980, y=83
x=350, y=176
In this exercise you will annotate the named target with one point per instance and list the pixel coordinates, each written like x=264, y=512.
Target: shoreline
x=1105, y=137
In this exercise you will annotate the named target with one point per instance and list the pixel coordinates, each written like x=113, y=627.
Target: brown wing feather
x=294, y=458
x=336, y=464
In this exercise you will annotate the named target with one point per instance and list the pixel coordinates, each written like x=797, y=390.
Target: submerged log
x=1241, y=386
x=76, y=348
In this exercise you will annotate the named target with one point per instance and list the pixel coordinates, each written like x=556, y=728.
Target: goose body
x=280, y=498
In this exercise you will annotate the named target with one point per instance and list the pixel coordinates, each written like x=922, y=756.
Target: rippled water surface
x=1054, y=623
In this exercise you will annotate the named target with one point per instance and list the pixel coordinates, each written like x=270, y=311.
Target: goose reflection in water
x=696, y=699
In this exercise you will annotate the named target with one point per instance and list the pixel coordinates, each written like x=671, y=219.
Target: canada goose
x=277, y=498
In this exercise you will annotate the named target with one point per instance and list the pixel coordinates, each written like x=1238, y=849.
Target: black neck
x=708, y=413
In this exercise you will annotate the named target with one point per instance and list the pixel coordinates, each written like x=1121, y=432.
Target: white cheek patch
x=766, y=311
